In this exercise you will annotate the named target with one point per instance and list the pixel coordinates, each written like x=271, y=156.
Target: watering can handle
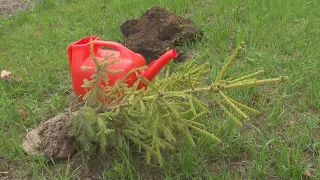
x=125, y=52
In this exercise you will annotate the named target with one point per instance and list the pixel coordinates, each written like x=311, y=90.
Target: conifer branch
x=228, y=113
x=241, y=113
x=229, y=61
x=244, y=106
x=246, y=76
x=206, y=133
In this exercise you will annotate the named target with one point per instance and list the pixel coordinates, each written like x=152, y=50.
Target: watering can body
x=79, y=56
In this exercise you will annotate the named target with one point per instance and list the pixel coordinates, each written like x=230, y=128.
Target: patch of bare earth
x=8, y=7
x=236, y=165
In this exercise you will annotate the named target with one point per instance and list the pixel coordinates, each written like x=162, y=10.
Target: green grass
x=282, y=37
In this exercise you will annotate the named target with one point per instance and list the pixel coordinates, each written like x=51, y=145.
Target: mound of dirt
x=51, y=138
x=157, y=31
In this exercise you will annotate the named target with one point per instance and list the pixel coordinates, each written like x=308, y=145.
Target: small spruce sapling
x=154, y=119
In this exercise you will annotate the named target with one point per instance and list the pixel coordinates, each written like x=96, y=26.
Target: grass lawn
x=282, y=37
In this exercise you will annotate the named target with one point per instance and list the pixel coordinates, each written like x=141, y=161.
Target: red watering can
x=79, y=55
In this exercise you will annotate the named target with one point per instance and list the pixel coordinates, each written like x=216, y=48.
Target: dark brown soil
x=157, y=31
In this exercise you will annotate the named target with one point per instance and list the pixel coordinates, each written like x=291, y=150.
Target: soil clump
x=158, y=31
x=51, y=138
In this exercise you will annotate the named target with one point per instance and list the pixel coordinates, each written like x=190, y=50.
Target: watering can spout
x=158, y=64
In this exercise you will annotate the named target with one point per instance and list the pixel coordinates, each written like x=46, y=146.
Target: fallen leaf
x=309, y=173
x=23, y=114
x=7, y=75
x=298, y=54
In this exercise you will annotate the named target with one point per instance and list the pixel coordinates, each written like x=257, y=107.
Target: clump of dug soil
x=157, y=31
x=51, y=138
